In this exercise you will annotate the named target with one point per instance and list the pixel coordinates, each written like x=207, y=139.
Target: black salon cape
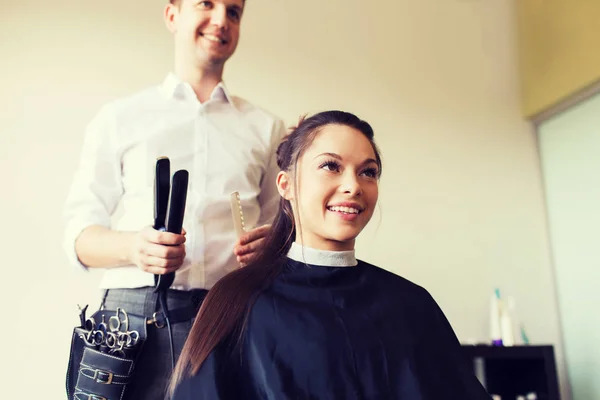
x=339, y=333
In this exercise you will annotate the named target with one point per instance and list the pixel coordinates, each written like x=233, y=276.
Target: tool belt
x=106, y=346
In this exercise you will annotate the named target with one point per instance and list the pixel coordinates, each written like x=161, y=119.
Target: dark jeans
x=153, y=367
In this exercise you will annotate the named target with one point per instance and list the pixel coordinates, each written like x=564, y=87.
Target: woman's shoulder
x=391, y=278
x=395, y=284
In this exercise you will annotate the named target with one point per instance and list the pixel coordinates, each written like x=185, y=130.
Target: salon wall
x=461, y=208
x=558, y=55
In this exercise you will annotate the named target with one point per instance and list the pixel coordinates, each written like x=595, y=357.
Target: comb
x=237, y=214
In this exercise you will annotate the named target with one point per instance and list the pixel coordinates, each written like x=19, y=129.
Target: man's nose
x=218, y=16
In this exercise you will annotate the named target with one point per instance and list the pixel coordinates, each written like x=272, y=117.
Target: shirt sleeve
x=269, y=196
x=96, y=187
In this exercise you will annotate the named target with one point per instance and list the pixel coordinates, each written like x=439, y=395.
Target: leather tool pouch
x=103, y=355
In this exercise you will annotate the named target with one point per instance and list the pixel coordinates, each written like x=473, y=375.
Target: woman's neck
x=327, y=258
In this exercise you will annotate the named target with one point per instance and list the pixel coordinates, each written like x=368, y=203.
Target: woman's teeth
x=347, y=210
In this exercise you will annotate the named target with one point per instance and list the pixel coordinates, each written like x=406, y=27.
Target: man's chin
x=209, y=63
x=212, y=56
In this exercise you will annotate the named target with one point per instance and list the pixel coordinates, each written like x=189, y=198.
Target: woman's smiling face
x=337, y=182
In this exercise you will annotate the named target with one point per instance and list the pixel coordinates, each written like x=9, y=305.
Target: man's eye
x=234, y=14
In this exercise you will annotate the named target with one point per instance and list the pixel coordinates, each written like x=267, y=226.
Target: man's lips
x=214, y=38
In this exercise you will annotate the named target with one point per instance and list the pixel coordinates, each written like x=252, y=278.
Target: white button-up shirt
x=226, y=144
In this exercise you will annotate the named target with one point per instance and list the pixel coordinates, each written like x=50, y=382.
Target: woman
x=305, y=319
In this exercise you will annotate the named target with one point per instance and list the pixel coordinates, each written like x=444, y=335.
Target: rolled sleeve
x=269, y=196
x=96, y=187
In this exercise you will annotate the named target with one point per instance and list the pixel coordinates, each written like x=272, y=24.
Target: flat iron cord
x=162, y=299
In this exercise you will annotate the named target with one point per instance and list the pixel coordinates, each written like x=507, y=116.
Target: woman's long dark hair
x=225, y=309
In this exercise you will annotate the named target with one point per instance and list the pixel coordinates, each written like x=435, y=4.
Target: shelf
x=515, y=370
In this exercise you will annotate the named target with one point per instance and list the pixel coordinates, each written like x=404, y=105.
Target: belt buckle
x=103, y=377
x=158, y=320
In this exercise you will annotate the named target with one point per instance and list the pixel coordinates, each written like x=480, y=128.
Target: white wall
x=461, y=196
x=569, y=149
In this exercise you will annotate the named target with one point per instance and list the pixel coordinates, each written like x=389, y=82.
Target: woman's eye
x=330, y=166
x=370, y=172
x=205, y=4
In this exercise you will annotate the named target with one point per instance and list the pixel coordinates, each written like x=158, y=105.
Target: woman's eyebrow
x=369, y=161
x=333, y=155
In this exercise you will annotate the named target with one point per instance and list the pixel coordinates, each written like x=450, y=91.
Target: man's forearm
x=100, y=247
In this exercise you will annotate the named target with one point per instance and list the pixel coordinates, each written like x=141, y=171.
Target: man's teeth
x=347, y=210
x=213, y=38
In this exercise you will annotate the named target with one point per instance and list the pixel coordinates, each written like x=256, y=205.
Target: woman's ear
x=284, y=185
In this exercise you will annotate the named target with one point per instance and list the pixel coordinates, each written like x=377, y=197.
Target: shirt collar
x=175, y=88
x=325, y=258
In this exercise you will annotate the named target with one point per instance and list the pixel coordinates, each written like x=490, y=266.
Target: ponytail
x=225, y=308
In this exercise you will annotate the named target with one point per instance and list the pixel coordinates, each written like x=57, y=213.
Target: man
x=224, y=142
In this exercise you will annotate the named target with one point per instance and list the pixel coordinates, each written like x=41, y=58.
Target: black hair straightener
x=169, y=208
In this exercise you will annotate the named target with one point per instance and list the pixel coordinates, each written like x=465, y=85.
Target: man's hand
x=249, y=243
x=158, y=252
